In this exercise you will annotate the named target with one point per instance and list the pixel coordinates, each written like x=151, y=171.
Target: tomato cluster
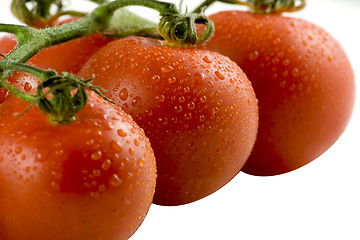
x=266, y=95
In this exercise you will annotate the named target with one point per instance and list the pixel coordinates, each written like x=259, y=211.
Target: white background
x=318, y=201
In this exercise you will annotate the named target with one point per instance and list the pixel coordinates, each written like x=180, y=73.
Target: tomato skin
x=90, y=179
x=197, y=108
x=303, y=81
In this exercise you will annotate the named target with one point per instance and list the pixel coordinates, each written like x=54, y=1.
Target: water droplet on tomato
x=90, y=142
x=55, y=185
x=277, y=41
x=149, y=112
x=163, y=120
x=102, y=188
x=172, y=80
x=199, y=78
x=206, y=59
x=155, y=79
x=59, y=152
x=186, y=89
x=96, y=155
x=121, y=133
x=275, y=60
x=136, y=101
x=286, y=62
x=106, y=165
x=123, y=94
x=167, y=69
x=178, y=108
x=215, y=110
x=27, y=86
x=181, y=99
x=295, y=72
x=131, y=151
x=39, y=157
x=94, y=195
x=27, y=169
x=96, y=173
x=18, y=150
x=191, y=105
x=187, y=116
x=160, y=98
x=203, y=99
x=280, y=54
x=141, y=162
x=115, y=181
x=115, y=146
x=219, y=75
x=292, y=87
x=253, y=55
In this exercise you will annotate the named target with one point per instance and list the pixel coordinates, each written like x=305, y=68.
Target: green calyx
x=59, y=97
x=180, y=29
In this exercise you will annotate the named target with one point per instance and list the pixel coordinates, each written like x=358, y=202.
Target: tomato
x=303, y=81
x=91, y=179
x=197, y=107
x=65, y=57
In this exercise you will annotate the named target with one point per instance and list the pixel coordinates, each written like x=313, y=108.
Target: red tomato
x=197, y=108
x=302, y=79
x=65, y=57
x=91, y=179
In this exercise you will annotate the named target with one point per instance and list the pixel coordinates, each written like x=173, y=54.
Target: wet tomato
x=65, y=57
x=197, y=107
x=91, y=179
x=303, y=81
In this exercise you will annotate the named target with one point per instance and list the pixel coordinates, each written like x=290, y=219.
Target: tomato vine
x=111, y=19
x=176, y=28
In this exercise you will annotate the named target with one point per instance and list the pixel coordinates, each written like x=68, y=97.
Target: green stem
x=98, y=21
x=42, y=74
x=161, y=7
